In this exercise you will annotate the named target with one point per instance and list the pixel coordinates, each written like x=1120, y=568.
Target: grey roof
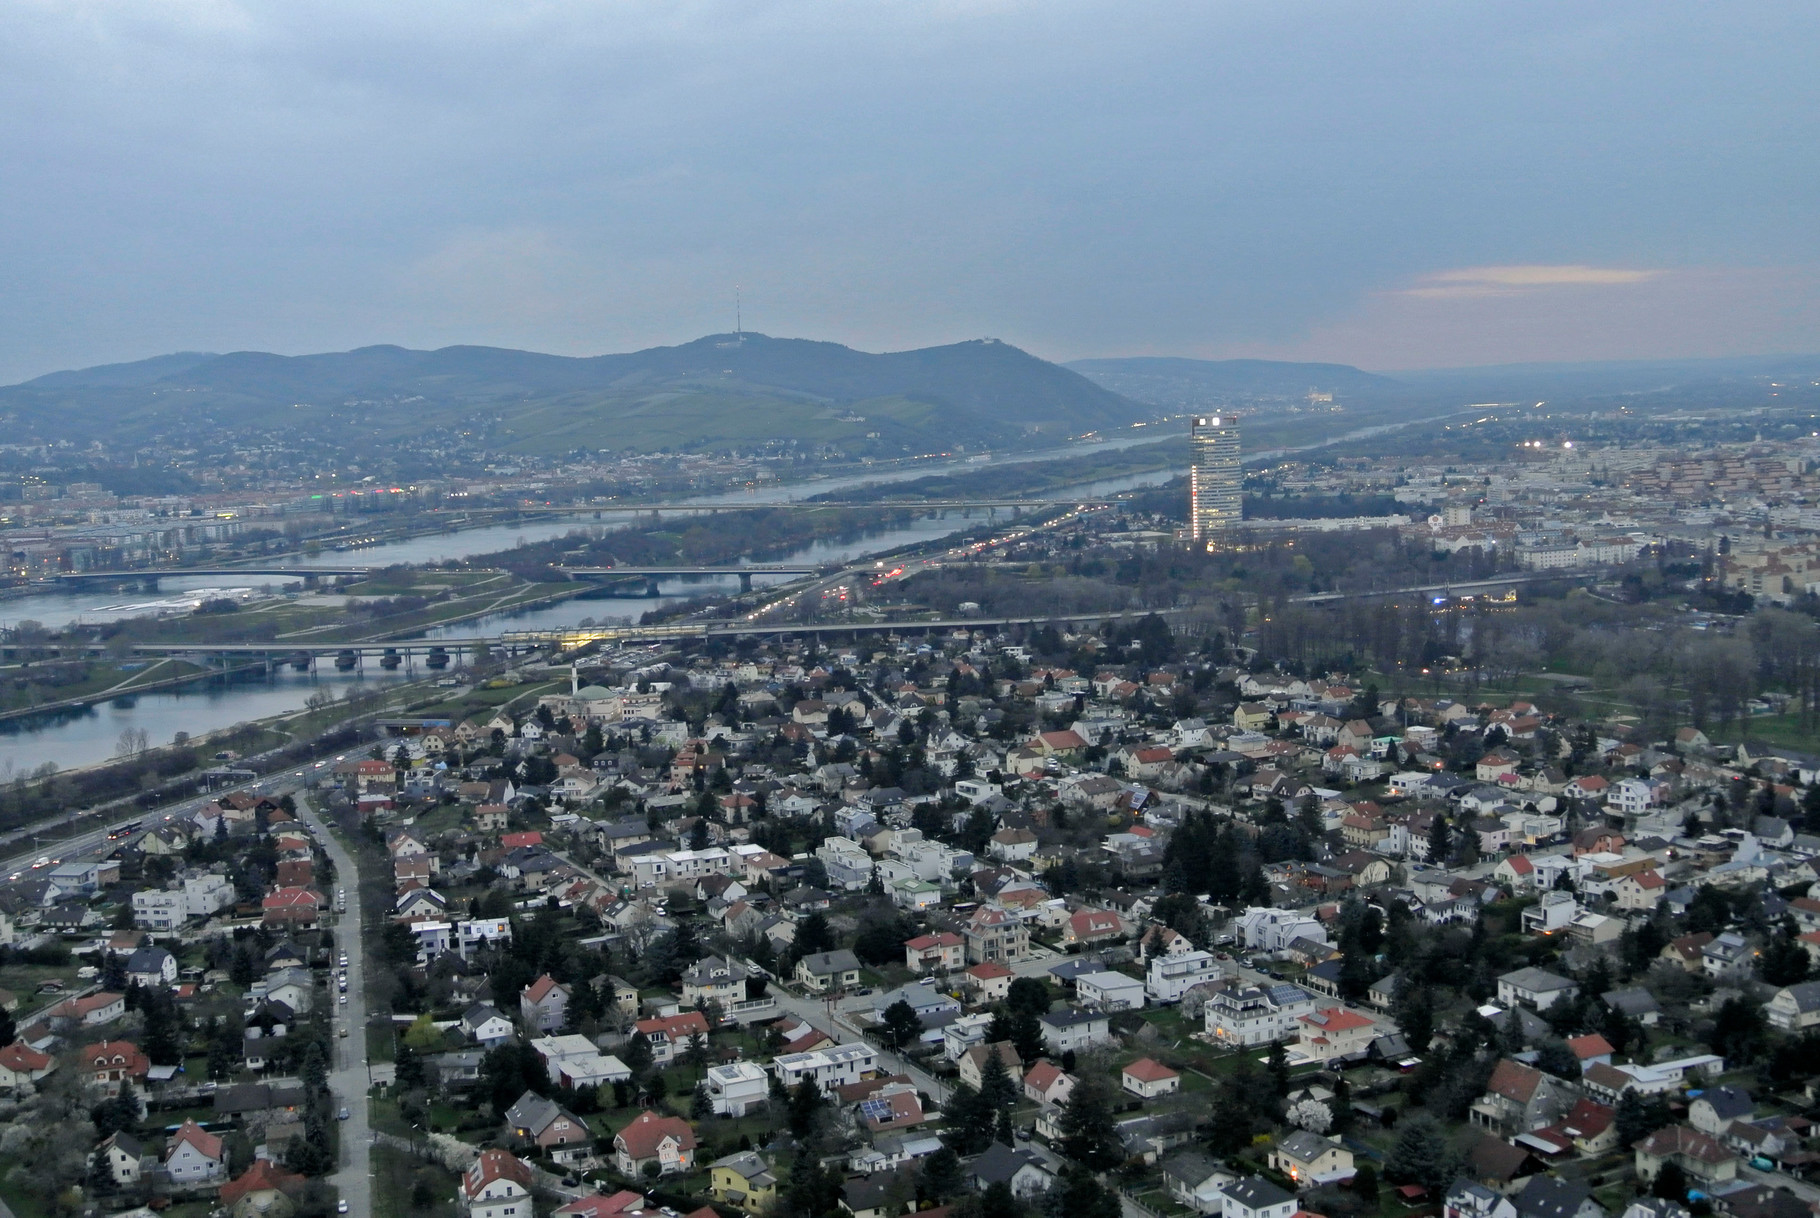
x=531, y=1111
x=1304, y=1145
x=1806, y=995
x=1069, y=1017
x=1633, y=1002
x=1191, y=1167
x=147, y=960
x=1536, y=980
x=1729, y=1103
x=831, y=962
x=999, y=1163
x=1547, y=1197
x=1255, y=1193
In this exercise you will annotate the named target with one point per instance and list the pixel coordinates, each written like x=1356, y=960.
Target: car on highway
x=343, y=1115
x=344, y=1000
x=341, y=1207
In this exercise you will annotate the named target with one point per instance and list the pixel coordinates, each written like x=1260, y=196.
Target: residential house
x=1519, y=1098
x=544, y=1004
x=666, y=1141
x=536, y=1121
x=1702, y=1159
x=936, y=953
x=828, y=972
x=1256, y=1197
x=1149, y=1079
x=194, y=1157
x=744, y=1181
x=1310, y=1159
x=1534, y=987
x=497, y=1184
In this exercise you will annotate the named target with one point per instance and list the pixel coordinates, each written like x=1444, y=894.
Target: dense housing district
x=999, y=923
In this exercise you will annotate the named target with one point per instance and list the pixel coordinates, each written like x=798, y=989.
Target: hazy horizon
x=1406, y=188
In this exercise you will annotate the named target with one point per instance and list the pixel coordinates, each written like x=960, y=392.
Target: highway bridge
x=515, y=641
x=149, y=576
x=649, y=509
x=653, y=574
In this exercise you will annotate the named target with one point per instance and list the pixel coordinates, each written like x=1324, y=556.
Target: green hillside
x=717, y=392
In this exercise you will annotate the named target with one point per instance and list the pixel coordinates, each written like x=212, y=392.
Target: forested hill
x=722, y=390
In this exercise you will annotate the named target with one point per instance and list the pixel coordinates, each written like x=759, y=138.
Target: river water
x=89, y=736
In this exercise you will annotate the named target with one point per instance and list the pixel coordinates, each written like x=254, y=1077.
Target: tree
x=407, y=1069
x=805, y=1106
x=1420, y=1155
x=901, y=1024
x=1639, y=1116
x=1784, y=960
x=813, y=935
x=1738, y=1031
x=1554, y=1057
x=1089, y=1133
x=1312, y=1115
x=941, y=1177
x=972, y=1124
x=423, y=1035
x=1277, y=1062
x=1030, y=994
x=1440, y=840
x=1079, y=1194
x=1670, y=1183
x=701, y=1105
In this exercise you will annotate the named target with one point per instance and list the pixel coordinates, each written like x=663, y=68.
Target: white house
x=1258, y=1015
x=1169, y=977
x=1109, y=991
x=737, y=1088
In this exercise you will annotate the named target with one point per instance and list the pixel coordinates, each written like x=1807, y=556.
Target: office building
x=1215, y=480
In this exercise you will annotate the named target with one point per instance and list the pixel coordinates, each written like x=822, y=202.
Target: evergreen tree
x=941, y=1177
x=972, y=1124
x=900, y=1024
x=1089, y=1132
x=805, y=1106
x=1420, y=1155
x=701, y=1106
x=1277, y=1062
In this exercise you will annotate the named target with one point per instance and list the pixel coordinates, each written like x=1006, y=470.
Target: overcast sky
x=1394, y=185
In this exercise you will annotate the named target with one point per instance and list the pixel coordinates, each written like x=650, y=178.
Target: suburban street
x=348, y=1077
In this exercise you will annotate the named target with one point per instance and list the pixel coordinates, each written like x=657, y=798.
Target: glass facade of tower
x=1215, y=480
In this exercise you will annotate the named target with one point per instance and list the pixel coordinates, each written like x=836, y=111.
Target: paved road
x=348, y=1079
x=822, y=1013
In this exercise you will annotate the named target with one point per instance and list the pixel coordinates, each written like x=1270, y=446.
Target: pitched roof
x=1514, y=1081
x=494, y=1165
x=640, y=1138
x=206, y=1144
x=540, y=989
x=262, y=1176
x=1686, y=1141
x=1148, y=1070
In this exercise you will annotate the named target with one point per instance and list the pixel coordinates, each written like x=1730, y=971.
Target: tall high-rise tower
x=1215, y=480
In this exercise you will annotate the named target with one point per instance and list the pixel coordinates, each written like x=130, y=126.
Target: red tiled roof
x=260, y=1177
x=1591, y=1045
x=641, y=1137
x=540, y=989
x=1514, y=1081
x=494, y=1165
x=1146, y=1070
x=22, y=1058
x=206, y=1144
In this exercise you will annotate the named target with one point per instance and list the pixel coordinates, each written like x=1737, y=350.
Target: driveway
x=348, y=1077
